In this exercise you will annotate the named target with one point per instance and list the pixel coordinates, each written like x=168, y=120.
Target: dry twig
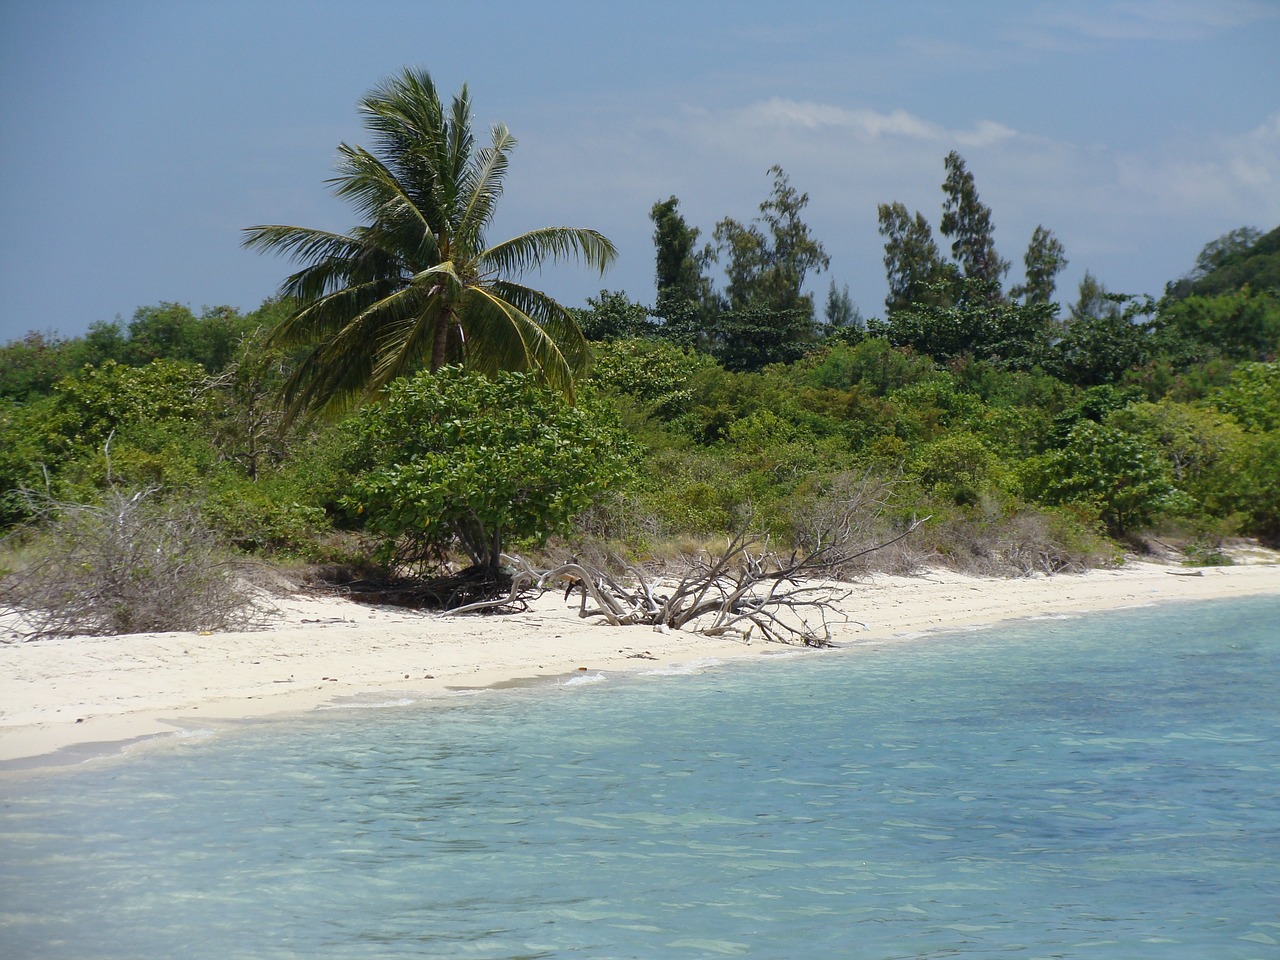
x=126, y=565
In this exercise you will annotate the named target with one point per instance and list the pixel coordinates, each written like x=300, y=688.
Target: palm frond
x=301, y=244
x=531, y=250
x=501, y=336
x=483, y=187
x=351, y=362
x=556, y=321
x=406, y=337
x=461, y=140
x=320, y=385
x=333, y=260
x=320, y=319
x=378, y=194
x=443, y=273
x=403, y=112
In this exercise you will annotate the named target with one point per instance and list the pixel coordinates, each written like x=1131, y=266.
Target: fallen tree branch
x=744, y=589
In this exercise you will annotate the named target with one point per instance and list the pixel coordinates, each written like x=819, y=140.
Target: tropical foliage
x=418, y=285
x=1037, y=436
x=451, y=460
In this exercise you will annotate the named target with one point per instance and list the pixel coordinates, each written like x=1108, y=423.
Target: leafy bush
x=99, y=400
x=690, y=491
x=1000, y=332
x=1258, y=486
x=1241, y=325
x=1203, y=448
x=1252, y=396
x=656, y=374
x=265, y=517
x=959, y=465
x=1121, y=476
x=456, y=459
x=23, y=456
x=873, y=363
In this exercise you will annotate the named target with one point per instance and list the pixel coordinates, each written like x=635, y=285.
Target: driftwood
x=744, y=590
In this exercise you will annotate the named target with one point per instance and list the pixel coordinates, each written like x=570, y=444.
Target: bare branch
x=744, y=589
x=126, y=565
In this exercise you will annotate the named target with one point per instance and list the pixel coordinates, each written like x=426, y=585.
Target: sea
x=1100, y=786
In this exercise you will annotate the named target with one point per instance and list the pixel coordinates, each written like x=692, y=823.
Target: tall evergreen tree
x=1231, y=244
x=686, y=304
x=915, y=269
x=769, y=259
x=770, y=318
x=678, y=264
x=1094, y=300
x=1045, y=258
x=841, y=312
x=967, y=221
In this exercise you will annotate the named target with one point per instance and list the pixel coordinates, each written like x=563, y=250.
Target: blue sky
x=138, y=138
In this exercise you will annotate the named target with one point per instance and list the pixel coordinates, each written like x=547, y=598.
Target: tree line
x=407, y=400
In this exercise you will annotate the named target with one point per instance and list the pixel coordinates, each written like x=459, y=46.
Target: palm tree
x=416, y=285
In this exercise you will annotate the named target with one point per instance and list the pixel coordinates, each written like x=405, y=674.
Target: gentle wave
x=583, y=678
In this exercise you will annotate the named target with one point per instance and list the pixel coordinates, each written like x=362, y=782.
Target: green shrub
x=1119, y=475
x=1252, y=396
x=459, y=460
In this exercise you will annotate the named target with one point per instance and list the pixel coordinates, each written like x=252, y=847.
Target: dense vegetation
x=1036, y=437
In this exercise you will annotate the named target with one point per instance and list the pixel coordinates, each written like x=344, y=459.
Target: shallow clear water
x=1101, y=787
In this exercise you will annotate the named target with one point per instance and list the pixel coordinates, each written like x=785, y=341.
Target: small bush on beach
x=457, y=461
x=126, y=565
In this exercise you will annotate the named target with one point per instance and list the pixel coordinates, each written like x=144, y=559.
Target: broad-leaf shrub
x=1252, y=396
x=459, y=460
x=1204, y=448
x=1119, y=475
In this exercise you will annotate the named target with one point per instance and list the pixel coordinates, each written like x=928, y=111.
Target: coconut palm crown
x=417, y=286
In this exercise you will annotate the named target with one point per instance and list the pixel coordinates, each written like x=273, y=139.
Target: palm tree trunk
x=440, y=342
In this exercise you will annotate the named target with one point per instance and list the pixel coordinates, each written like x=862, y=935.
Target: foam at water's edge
x=582, y=678
x=683, y=669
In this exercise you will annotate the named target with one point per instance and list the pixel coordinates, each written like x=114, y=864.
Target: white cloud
x=1225, y=173
x=783, y=114
x=1153, y=20
x=985, y=133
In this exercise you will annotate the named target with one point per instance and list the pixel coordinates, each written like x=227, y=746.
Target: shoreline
x=63, y=701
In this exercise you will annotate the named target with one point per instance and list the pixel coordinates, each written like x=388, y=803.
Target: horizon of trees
x=1032, y=433
x=766, y=263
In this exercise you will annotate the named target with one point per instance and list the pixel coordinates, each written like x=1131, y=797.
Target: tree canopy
x=967, y=221
x=417, y=285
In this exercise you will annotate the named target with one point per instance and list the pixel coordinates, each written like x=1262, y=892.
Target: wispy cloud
x=784, y=116
x=1237, y=173
x=1149, y=20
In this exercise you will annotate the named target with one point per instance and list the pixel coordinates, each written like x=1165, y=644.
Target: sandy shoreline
x=73, y=692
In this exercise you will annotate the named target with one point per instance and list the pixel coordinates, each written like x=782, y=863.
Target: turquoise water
x=1100, y=787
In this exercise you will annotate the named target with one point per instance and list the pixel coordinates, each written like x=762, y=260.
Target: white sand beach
x=77, y=691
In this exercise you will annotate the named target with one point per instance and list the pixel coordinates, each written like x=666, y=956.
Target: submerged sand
x=77, y=691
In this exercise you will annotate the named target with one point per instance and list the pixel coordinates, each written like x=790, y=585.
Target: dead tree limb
x=742, y=590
